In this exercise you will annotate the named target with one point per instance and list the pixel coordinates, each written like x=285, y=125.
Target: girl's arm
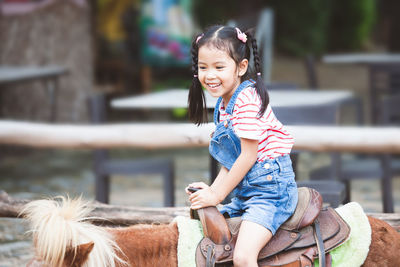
x=226, y=180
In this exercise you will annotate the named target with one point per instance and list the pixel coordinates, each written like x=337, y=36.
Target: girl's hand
x=189, y=189
x=203, y=198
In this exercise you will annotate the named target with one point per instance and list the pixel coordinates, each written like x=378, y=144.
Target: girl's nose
x=210, y=75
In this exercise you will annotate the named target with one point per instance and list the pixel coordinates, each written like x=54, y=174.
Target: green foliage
x=318, y=26
x=352, y=23
x=210, y=12
x=179, y=113
x=301, y=25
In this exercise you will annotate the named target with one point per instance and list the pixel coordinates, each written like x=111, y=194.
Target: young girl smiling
x=249, y=142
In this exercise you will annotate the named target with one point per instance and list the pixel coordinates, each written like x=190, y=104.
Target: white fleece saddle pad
x=352, y=253
x=190, y=234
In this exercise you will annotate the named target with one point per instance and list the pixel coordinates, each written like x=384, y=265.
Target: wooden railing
x=123, y=215
x=168, y=135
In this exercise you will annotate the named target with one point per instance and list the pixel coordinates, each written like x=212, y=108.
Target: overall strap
x=216, y=111
x=232, y=101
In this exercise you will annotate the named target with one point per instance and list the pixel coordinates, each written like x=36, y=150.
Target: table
x=10, y=75
x=177, y=98
x=384, y=72
x=361, y=58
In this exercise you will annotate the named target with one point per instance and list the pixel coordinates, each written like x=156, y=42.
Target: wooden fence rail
x=122, y=215
x=168, y=135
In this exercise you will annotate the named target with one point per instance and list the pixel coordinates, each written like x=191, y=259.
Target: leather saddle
x=310, y=233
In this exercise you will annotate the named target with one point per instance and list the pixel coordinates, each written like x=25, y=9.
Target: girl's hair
x=224, y=38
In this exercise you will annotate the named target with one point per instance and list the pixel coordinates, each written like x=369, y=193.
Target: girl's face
x=218, y=72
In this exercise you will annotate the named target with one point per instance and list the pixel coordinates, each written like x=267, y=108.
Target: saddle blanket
x=190, y=234
x=352, y=253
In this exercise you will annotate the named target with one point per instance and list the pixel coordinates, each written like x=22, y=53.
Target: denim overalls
x=267, y=195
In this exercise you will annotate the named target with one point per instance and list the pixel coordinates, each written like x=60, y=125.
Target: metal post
x=52, y=90
x=264, y=35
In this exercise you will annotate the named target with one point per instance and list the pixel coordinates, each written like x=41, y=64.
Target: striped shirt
x=273, y=139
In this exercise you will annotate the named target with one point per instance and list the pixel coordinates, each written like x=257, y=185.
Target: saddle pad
x=190, y=234
x=351, y=253
x=354, y=251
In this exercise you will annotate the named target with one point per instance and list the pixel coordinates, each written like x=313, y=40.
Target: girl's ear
x=243, y=65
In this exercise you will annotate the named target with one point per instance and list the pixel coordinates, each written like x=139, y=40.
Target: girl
x=249, y=142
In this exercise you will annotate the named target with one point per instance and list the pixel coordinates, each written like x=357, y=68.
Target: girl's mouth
x=213, y=85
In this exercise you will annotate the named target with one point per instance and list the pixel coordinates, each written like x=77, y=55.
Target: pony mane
x=61, y=225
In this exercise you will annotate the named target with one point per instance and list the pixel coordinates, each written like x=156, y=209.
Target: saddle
x=310, y=233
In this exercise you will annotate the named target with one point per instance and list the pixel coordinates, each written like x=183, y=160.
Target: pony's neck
x=148, y=245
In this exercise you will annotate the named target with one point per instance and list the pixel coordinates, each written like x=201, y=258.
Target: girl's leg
x=251, y=239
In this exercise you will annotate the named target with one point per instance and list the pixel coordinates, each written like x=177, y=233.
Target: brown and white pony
x=63, y=236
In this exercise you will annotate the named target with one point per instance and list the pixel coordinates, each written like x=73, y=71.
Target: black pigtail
x=196, y=101
x=260, y=86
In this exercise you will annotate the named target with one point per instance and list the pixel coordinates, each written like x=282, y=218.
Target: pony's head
x=73, y=257
x=63, y=236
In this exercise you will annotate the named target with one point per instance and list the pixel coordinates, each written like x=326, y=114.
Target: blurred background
x=132, y=47
x=62, y=54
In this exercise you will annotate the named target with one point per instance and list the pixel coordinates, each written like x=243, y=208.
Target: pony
x=63, y=236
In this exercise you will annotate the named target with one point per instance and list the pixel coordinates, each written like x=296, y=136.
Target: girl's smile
x=213, y=85
x=218, y=72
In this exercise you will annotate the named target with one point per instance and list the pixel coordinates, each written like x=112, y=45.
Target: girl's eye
x=220, y=67
x=202, y=68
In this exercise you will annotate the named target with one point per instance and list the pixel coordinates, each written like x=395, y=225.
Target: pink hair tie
x=195, y=76
x=199, y=37
x=258, y=73
x=241, y=35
